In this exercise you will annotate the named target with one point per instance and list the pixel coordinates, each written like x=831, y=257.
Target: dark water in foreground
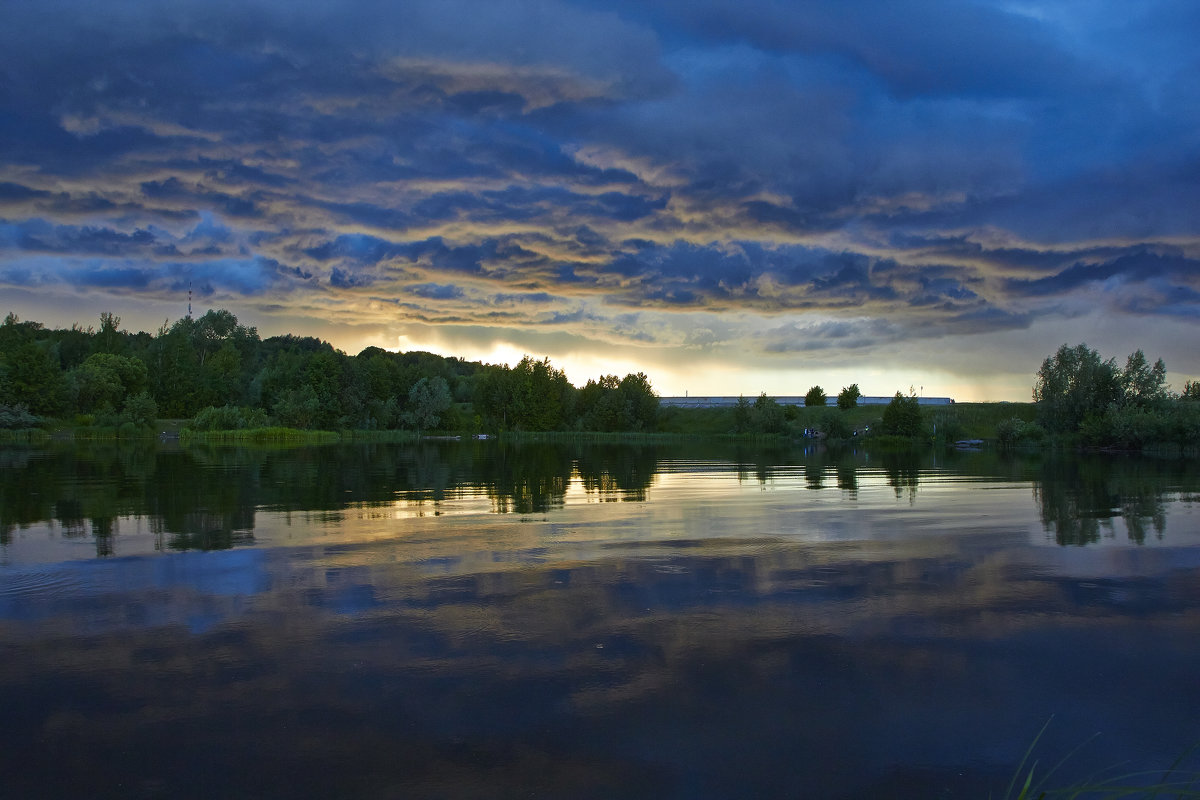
x=479, y=621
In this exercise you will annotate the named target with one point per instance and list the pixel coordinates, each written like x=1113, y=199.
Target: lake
x=686, y=621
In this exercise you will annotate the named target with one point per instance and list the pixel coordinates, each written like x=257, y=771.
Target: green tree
x=222, y=374
x=298, y=407
x=141, y=410
x=815, y=397
x=104, y=380
x=1143, y=385
x=30, y=375
x=428, y=400
x=538, y=395
x=848, y=397
x=109, y=339
x=1073, y=383
x=1191, y=390
x=95, y=387
x=74, y=346
x=494, y=396
x=743, y=416
x=175, y=370
x=767, y=415
x=14, y=332
x=639, y=401
x=599, y=404
x=902, y=417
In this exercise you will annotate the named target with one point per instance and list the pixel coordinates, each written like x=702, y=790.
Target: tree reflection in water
x=1081, y=497
x=903, y=470
x=206, y=497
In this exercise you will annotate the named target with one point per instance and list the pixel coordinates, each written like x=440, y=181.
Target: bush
x=834, y=425
x=902, y=417
x=298, y=408
x=1016, y=431
x=141, y=410
x=1132, y=428
x=17, y=417
x=947, y=427
x=767, y=415
x=848, y=397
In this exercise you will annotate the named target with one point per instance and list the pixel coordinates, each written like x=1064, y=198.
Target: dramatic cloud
x=927, y=192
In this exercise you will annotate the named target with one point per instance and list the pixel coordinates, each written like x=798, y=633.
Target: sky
x=732, y=197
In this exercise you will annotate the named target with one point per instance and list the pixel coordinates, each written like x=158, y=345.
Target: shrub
x=1127, y=428
x=902, y=417
x=1015, y=431
x=834, y=425
x=141, y=410
x=848, y=397
x=16, y=417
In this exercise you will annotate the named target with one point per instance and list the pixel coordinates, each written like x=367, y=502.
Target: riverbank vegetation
x=1085, y=400
x=221, y=375
x=228, y=384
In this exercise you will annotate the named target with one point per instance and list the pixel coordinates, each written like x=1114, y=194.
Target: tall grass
x=269, y=435
x=23, y=436
x=597, y=437
x=398, y=436
x=1146, y=784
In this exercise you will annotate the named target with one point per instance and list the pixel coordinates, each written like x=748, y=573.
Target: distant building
x=786, y=400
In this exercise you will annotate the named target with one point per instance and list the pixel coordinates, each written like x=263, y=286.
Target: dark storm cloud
x=750, y=274
x=435, y=291
x=345, y=279
x=201, y=197
x=863, y=334
x=360, y=248
x=923, y=47
x=15, y=191
x=1161, y=298
x=924, y=165
x=520, y=204
x=537, y=298
x=845, y=335
x=251, y=276
x=1132, y=267
x=506, y=252
x=38, y=236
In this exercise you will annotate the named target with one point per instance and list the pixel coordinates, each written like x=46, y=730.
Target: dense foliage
x=222, y=376
x=848, y=397
x=902, y=416
x=1080, y=394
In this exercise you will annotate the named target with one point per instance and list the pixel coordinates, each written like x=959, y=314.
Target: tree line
x=1081, y=396
x=221, y=375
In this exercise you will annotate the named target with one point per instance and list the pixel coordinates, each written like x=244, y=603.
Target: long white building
x=787, y=400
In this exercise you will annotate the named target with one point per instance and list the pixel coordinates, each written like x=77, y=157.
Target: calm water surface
x=674, y=622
